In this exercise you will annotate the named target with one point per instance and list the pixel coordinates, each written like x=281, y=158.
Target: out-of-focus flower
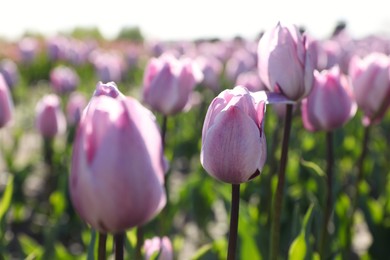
x=117, y=173
x=64, y=79
x=161, y=246
x=330, y=104
x=241, y=61
x=109, y=66
x=211, y=68
x=6, y=104
x=285, y=62
x=233, y=140
x=75, y=106
x=50, y=119
x=28, y=49
x=10, y=72
x=251, y=81
x=370, y=78
x=168, y=83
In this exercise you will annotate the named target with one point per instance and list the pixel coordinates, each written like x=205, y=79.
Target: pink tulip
x=285, y=62
x=330, y=104
x=117, y=172
x=370, y=78
x=250, y=80
x=6, y=104
x=168, y=83
x=50, y=120
x=64, y=79
x=233, y=141
x=10, y=72
x=161, y=246
x=75, y=106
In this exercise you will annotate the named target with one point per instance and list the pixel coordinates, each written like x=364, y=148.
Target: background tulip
x=370, y=78
x=233, y=141
x=64, y=79
x=162, y=246
x=330, y=104
x=285, y=62
x=6, y=104
x=117, y=174
x=50, y=120
x=168, y=83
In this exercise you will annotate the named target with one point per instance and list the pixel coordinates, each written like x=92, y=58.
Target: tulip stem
x=278, y=201
x=234, y=222
x=328, y=205
x=164, y=130
x=359, y=179
x=119, y=240
x=48, y=151
x=140, y=241
x=102, y=246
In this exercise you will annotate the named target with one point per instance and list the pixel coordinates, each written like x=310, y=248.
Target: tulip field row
x=269, y=148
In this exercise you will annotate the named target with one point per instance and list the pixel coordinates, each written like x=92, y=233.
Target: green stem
x=164, y=130
x=102, y=246
x=119, y=240
x=278, y=202
x=329, y=190
x=359, y=179
x=234, y=222
x=140, y=241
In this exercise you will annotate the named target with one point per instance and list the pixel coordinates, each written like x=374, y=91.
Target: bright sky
x=185, y=19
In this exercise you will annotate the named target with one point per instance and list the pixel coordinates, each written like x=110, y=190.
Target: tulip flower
x=370, y=79
x=50, y=120
x=64, y=79
x=117, y=172
x=233, y=141
x=75, y=106
x=10, y=72
x=330, y=104
x=6, y=104
x=161, y=246
x=285, y=62
x=168, y=83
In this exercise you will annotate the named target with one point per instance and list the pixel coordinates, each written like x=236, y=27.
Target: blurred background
x=183, y=20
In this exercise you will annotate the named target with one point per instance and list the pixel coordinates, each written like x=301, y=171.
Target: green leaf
x=299, y=248
x=202, y=251
x=30, y=247
x=7, y=197
x=91, y=246
x=58, y=202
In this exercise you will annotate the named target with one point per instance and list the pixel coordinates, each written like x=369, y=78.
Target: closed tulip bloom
x=117, y=172
x=285, y=62
x=6, y=104
x=370, y=78
x=10, y=72
x=233, y=141
x=162, y=246
x=330, y=104
x=50, y=120
x=64, y=79
x=74, y=107
x=168, y=83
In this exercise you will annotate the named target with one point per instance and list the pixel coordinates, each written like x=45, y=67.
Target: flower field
x=269, y=148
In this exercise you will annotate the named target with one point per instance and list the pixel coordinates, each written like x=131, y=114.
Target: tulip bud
x=6, y=104
x=168, y=83
x=285, y=62
x=330, y=104
x=162, y=246
x=64, y=79
x=75, y=106
x=117, y=173
x=50, y=120
x=10, y=72
x=370, y=78
x=233, y=141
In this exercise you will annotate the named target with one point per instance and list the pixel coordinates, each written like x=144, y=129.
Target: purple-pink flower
x=285, y=62
x=117, y=173
x=370, y=78
x=233, y=139
x=6, y=104
x=161, y=246
x=331, y=102
x=168, y=83
x=50, y=119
